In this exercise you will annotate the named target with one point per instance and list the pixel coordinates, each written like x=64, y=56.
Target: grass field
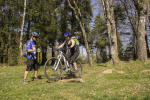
x=127, y=81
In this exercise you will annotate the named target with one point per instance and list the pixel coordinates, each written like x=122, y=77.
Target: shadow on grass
x=67, y=78
x=40, y=77
x=101, y=65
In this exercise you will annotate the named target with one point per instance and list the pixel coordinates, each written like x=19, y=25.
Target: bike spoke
x=50, y=70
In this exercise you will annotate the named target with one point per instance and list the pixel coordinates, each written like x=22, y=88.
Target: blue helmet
x=35, y=34
x=66, y=34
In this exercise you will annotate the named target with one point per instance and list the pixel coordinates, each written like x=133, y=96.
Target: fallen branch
x=71, y=80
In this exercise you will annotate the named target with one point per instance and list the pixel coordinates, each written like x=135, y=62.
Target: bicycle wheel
x=50, y=70
x=78, y=74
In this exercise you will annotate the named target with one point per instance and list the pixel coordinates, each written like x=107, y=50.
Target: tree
x=111, y=26
x=9, y=24
x=136, y=12
x=141, y=9
x=22, y=28
x=99, y=38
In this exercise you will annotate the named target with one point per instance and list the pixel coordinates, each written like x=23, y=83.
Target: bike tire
x=49, y=72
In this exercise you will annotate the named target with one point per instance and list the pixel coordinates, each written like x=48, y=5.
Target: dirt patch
x=108, y=71
x=71, y=80
x=120, y=72
x=145, y=71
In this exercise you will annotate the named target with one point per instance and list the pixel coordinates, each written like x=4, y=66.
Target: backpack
x=76, y=40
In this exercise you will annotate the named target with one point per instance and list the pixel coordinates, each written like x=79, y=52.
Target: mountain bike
x=55, y=67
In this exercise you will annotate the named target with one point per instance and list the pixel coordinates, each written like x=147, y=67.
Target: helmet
x=66, y=34
x=35, y=34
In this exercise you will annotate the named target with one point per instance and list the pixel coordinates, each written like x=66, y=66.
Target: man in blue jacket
x=31, y=57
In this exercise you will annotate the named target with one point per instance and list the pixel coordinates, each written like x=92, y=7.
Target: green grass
x=132, y=85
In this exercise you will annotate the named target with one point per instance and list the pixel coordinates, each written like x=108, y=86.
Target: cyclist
x=31, y=57
x=73, y=45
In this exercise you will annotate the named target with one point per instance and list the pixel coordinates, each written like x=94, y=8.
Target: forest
x=119, y=30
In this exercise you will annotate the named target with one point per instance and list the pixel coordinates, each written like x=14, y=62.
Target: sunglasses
x=35, y=36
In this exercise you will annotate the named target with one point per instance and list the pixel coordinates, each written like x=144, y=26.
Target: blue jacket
x=31, y=45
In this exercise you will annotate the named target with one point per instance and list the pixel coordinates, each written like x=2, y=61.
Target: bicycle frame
x=59, y=57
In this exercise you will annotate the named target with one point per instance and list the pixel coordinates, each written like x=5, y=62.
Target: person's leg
x=36, y=66
x=75, y=65
x=26, y=75
x=36, y=74
x=73, y=59
x=74, y=55
x=29, y=68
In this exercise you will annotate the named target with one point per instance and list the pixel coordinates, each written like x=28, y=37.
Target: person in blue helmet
x=31, y=57
x=73, y=44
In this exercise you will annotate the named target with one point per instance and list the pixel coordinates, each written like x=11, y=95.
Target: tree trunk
x=22, y=27
x=28, y=29
x=1, y=57
x=111, y=26
x=86, y=43
x=98, y=56
x=148, y=54
x=141, y=16
x=141, y=42
x=133, y=26
x=77, y=15
x=148, y=27
x=54, y=52
x=44, y=54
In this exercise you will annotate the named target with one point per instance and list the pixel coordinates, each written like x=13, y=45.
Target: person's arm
x=72, y=43
x=30, y=50
x=28, y=47
x=62, y=45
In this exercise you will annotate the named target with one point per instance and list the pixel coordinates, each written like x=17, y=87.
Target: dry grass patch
x=108, y=71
